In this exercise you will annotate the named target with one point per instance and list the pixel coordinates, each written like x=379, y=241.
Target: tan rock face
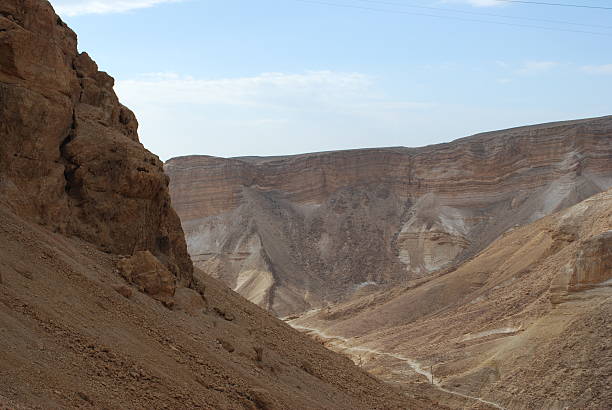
x=591, y=268
x=292, y=233
x=594, y=263
x=70, y=157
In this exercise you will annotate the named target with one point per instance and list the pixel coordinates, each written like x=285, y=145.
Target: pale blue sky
x=270, y=77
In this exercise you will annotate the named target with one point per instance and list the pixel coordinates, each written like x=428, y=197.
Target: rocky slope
x=298, y=232
x=524, y=325
x=99, y=303
x=75, y=334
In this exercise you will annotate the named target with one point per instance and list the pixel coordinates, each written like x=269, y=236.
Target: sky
x=275, y=77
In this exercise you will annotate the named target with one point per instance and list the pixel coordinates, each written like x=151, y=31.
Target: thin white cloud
x=597, y=69
x=485, y=3
x=536, y=67
x=321, y=89
x=270, y=112
x=478, y=3
x=502, y=64
x=72, y=8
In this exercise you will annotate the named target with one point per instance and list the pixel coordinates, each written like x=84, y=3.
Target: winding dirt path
x=342, y=343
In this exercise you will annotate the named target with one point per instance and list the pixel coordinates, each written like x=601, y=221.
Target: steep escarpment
x=70, y=157
x=297, y=232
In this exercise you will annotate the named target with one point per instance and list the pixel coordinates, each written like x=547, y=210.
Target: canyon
x=479, y=278
x=472, y=274
x=100, y=306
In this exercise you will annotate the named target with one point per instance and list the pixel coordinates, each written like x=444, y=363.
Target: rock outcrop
x=70, y=157
x=296, y=232
x=592, y=267
x=594, y=263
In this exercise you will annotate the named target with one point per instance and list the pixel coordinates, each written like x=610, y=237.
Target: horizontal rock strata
x=308, y=229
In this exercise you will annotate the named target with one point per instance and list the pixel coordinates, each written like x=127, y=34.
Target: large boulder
x=149, y=275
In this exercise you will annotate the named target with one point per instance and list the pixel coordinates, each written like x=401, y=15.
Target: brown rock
x=123, y=290
x=263, y=399
x=70, y=156
x=85, y=397
x=226, y=345
x=188, y=300
x=150, y=276
x=592, y=268
x=593, y=263
x=225, y=314
x=258, y=353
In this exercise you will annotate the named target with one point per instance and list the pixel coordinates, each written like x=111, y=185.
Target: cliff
x=90, y=246
x=296, y=232
x=70, y=157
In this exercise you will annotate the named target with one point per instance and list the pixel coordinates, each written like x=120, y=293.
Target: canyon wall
x=85, y=221
x=70, y=157
x=296, y=232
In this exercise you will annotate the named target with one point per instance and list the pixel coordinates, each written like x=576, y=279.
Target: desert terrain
x=475, y=273
x=524, y=324
x=100, y=306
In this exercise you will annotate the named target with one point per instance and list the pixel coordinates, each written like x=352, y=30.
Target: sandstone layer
x=297, y=232
x=70, y=157
x=523, y=325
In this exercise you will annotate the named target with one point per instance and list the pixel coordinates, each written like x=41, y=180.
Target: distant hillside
x=297, y=232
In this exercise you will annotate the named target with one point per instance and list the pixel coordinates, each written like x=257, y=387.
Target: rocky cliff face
x=70, y=158
x=296, y=232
